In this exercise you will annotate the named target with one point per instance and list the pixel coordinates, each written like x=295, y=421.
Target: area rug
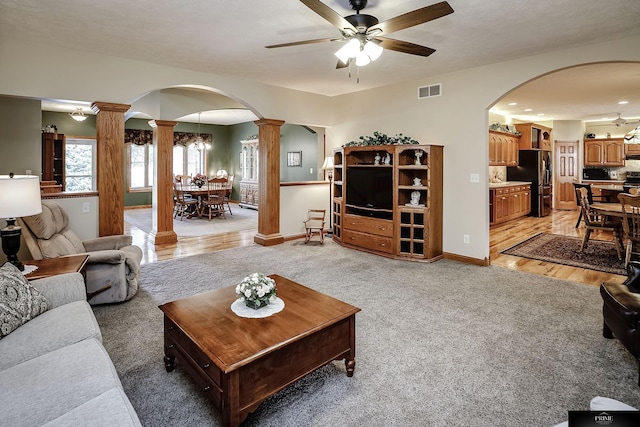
x=439, y=345
x=599, y=255
x=242, y=219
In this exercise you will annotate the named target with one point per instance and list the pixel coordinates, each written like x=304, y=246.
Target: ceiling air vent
x=430, y=91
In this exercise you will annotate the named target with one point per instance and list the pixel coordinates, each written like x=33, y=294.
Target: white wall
x=457, y=120
x=295, y=200
x=84, y=224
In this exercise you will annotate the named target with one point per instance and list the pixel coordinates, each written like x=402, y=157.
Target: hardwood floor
x=502, y=236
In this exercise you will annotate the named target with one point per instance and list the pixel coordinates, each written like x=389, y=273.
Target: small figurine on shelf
x=417, y=182
x=377, y=159
x=415, y=198
x=418, y=155
x=387, y=159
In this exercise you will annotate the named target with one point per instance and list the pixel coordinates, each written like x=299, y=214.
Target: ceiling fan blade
x=409, y=19
x=404, y=47
x=330, y=15
x=341, y=64
x=328, y=39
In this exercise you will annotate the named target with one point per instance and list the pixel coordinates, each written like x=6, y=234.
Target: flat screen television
x=370, y=187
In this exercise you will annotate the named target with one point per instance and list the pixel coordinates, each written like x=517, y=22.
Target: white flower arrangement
x=257, y=290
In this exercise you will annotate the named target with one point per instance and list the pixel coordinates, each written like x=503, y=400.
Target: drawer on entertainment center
x=369, y=241
x=381, y=227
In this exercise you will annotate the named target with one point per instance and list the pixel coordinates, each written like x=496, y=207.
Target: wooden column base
x=269, y=239
x=159, y=237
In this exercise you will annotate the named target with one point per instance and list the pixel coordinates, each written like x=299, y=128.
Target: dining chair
x=595, y=221
x=590, y=196
x=184, y=204
x=213, y=203
x=630, y=224
x=225, y=184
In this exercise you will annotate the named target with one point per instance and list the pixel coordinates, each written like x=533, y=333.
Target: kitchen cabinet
x=632, y=149
x=509, y=202
x=534, y=136
x=604, y=152
x=503, y=149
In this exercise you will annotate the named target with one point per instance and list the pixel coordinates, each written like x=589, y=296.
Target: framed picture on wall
x=294, y=158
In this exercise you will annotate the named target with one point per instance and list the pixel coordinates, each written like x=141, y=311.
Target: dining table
x=610, y=209
x=197, y=192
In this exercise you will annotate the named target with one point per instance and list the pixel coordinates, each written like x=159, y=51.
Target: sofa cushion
x=47, y=387
x=19, y=301
x=58, y=327
x=112, y=408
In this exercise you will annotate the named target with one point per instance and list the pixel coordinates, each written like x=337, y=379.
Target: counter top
x=507, y=184
x=612, y=187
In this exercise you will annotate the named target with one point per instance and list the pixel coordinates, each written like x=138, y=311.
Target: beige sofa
x=54, y=370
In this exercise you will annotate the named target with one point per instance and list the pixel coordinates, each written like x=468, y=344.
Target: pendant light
x=199, y=143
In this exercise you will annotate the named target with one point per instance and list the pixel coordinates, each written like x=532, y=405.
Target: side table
x=53, y=266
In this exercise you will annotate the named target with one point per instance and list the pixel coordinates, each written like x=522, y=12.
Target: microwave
x=595, y=174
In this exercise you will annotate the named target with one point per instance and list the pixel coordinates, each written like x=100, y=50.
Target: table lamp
x=19, y=196
x=328, y=166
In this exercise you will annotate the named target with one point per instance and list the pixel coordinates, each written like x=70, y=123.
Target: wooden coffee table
x=240, y=362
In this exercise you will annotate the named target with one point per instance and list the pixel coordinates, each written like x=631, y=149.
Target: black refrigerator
x=535, y=166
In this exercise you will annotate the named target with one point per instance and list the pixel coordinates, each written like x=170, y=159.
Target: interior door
x=565, y=174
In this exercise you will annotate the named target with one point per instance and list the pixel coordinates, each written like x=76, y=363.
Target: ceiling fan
x=362, y=34
x=619, y=121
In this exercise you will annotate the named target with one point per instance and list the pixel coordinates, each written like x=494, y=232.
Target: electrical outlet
x=311, y=170
x=475, y=177
x=28, y=171
x=86, y=207
x=465, y=239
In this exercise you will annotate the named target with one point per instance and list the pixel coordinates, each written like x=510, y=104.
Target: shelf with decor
x=392, y=200
x=337, y=200
x=53, y=151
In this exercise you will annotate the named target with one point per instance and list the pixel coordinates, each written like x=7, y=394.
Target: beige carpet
x=242, y=219
x=438, y=345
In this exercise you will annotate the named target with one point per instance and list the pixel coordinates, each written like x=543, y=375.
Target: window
x=80, y=164
x=140, y=167
x=189, y=161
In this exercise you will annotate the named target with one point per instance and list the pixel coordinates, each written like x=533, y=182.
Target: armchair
x=114, y=263
x=621, y=310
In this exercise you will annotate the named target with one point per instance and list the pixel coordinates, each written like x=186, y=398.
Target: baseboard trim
x=467, y=260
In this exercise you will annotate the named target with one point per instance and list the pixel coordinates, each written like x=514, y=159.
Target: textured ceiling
x=228, y=36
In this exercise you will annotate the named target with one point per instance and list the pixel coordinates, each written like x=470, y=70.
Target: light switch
x=85, y=207
x=475, y=177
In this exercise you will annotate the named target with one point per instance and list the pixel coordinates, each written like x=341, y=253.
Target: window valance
x=142, y=137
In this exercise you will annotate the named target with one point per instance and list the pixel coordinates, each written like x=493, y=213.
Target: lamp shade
x=328, y=163
x=19, y=196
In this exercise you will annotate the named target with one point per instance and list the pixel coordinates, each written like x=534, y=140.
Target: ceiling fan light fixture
x=362, y=59
x=373, y=50
x=78, y=115
x=350, y=50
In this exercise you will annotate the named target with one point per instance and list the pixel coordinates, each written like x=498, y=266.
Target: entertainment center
x=387, y=200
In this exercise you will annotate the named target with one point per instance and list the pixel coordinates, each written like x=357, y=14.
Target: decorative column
x=162, y=195
x=110, y=147
x=269, y=182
